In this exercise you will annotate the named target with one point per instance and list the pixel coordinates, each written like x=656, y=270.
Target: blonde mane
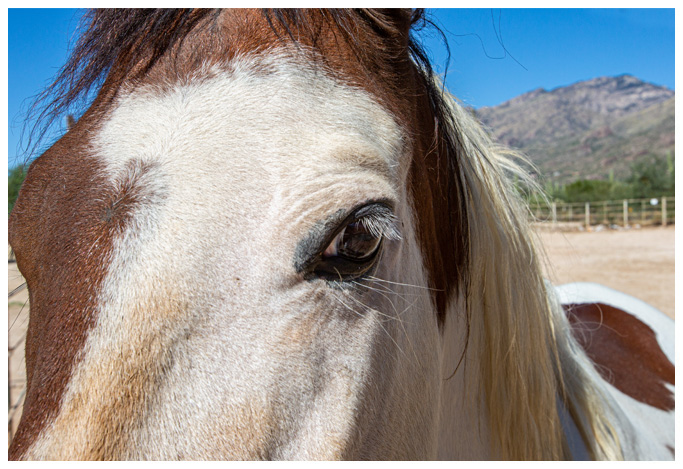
x=526, y=357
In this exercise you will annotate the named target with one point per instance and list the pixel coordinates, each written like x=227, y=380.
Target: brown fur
x=625, y=351
x=62, y=241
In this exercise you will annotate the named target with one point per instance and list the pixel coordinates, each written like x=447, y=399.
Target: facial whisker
x=384, y=294
x=17, y=290
x=376, y=310
x=386, y=289
x=400, y=322
x=377, y=279
x=379, y=323
x=20, y=315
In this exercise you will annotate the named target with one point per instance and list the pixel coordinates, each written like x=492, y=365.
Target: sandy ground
x=638, y=262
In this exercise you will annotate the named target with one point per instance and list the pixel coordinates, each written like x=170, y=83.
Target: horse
x=275, y=235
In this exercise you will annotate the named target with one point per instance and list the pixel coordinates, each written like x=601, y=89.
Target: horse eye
x=347, y=246
x=355, y=242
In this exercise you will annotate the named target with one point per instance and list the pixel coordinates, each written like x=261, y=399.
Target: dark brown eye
x=348, y=246
x=355, y=242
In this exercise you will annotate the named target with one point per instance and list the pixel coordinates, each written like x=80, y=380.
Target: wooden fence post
x=588, y=215
x=663, y=211
x=553, y=207
x=625, y=213
x=642, y=212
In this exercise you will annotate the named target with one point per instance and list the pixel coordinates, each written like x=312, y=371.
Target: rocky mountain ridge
x=589, y=129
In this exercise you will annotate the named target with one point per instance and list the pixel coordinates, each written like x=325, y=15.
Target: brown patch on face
x=61, y=245
x=110, y=399
x=121, y=200
x=62, y=231
x=625, y=351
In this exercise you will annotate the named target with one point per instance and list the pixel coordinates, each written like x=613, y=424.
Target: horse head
x=274, y=235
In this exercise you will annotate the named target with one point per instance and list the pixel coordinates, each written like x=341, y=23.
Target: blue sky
x=540, y=48
x=552, y=47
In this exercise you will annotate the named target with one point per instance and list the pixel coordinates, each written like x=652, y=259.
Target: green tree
x=652, y=177
x=16, y=178
x=587, y=190
x=621, y=190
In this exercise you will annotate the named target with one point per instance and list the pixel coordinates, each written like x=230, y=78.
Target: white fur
x=250, y=360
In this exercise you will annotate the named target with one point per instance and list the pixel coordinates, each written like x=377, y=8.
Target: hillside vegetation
x=601, y=129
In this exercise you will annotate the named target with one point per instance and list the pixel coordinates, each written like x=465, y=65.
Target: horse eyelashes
x=345, y=247
x=382, y=223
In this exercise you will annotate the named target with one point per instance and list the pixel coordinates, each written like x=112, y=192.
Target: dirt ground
x=639, y=262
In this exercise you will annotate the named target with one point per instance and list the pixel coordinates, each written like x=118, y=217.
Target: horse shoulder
x=632, y=347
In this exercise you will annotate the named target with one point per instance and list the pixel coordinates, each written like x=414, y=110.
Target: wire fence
x=613, y=213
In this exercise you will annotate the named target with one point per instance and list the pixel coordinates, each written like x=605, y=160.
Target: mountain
x=589, y=129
